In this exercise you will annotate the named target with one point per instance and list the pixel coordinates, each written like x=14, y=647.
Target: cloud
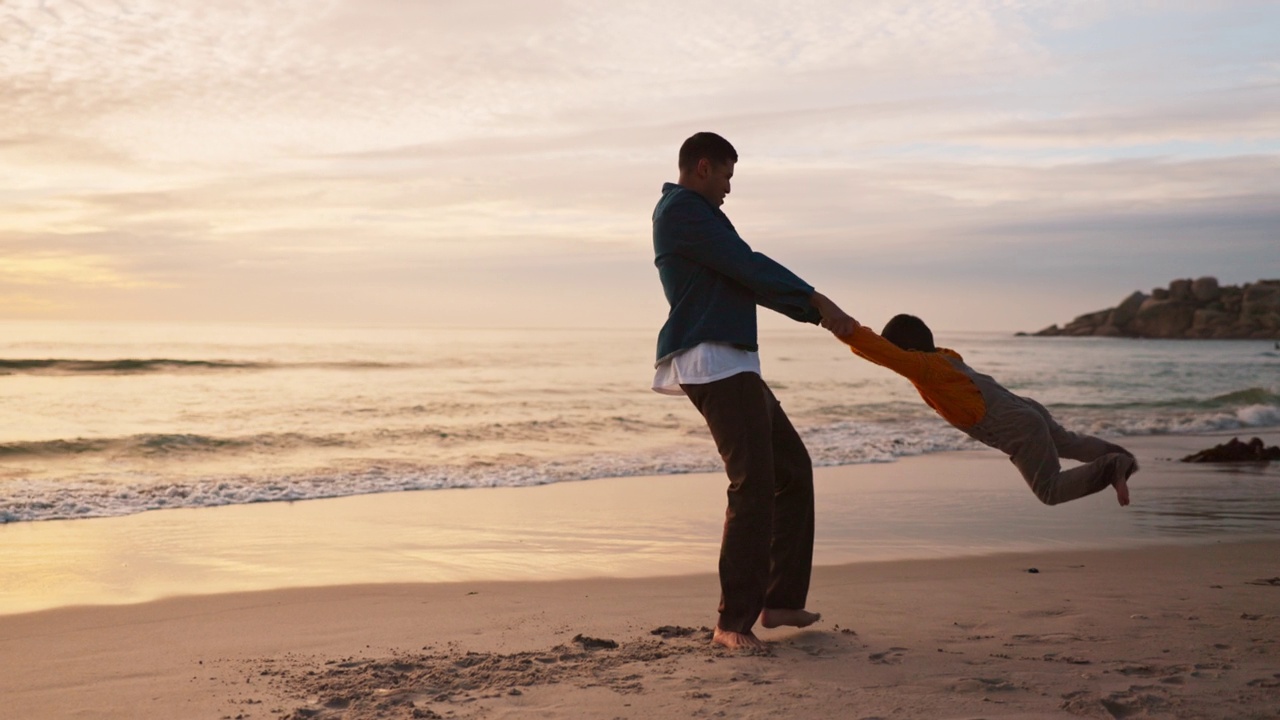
x=1242, y=113
x=242, y=157
x=59, y=268
x=29, y=306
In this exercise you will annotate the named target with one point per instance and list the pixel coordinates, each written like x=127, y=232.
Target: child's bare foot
x=736, y=640
x=1122, y=492
x=793, y=618
x=1125, y=465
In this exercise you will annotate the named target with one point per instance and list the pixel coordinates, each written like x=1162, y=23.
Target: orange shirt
x=944, y=387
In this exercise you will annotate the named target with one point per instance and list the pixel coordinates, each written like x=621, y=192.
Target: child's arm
x=866, y=344
x=950, y=392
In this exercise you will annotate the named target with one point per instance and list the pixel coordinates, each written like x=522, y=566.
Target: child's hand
x=841, y=327
x=833, y=318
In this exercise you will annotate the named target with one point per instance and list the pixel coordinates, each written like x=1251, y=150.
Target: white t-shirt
x=703, y=363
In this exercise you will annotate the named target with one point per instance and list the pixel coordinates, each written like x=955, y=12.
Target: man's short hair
x=909, y=333
x=706, y=145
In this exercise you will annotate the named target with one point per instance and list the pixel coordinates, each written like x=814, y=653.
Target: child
x=989, y=413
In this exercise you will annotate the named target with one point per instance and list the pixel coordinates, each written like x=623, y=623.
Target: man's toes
x=793, y=618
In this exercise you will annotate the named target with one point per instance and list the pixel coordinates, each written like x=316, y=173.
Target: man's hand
x=833, y=318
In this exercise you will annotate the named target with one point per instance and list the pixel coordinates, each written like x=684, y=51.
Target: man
x=707, y=350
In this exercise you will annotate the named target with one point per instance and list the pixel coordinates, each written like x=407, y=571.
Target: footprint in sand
x=1046, y=639
x=667, y=632
x=981, y=685
x=1165, y=672
x=892, y=656
x=1048, y=613
x=1271, y=682
x=1068, y=659
x=1137, y=701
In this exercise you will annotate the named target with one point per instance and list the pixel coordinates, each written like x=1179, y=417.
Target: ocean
x=110, y=419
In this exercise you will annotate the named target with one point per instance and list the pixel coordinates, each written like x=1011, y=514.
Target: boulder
x=1260, y=299
x=1180, y=290
x=1206, y=319
x=1232, y=298
x=1199, y=308
x=1206, y=289
x=1164, y=318
x=1245, y=327
x=1235, y=451
x=1127, y=310
x=1087, y=323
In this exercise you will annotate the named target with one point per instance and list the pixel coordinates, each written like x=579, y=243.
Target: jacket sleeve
x=950, y=392
x=910, y=364
x=693, y=230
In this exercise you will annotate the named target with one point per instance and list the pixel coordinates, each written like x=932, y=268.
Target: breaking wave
x=140, y=366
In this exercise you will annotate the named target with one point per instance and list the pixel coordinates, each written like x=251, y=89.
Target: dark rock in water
x=1235, y=451
x=1190, y=309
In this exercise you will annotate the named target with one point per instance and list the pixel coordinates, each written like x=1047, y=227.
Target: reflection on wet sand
x=1235, y=498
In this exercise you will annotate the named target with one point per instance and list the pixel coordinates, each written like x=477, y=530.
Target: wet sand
x=940, y=505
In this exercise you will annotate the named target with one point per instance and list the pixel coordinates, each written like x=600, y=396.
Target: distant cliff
x=1187, y=309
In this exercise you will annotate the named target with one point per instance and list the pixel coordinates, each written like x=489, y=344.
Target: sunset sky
x=986, y=164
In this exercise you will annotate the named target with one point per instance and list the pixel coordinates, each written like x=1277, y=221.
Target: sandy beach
x=1166, y=626
x=1184, y=632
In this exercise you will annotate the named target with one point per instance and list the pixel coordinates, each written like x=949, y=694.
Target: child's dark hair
x=909, y=333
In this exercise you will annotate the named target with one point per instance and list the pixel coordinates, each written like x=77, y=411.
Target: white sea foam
x=1185, y=422
x=1259, y=416
x=838, y=444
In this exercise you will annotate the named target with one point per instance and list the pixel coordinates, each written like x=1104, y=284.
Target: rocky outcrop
x=1236, y=451
x=1198, y=308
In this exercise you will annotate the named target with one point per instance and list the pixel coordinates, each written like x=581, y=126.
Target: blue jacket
x=713, y=280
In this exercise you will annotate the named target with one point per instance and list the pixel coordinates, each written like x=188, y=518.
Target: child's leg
x=1034, y=452
x=1075, y=446
x=1110, y=470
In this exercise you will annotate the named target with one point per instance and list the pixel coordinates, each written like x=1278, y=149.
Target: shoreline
x=507, y=602
x=953, y=504
x=1165, y=631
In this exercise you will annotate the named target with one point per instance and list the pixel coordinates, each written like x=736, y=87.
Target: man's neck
x=692, y=185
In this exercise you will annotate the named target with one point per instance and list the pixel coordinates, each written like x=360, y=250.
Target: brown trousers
x=766, y=553
x=1035, y=442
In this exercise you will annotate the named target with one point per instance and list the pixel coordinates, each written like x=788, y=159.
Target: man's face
x=716, y=185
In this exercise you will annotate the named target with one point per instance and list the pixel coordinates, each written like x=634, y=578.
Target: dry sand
x=1185, y=632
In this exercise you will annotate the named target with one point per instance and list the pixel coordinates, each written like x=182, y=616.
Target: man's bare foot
x=792, y=618
x=737, y=640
